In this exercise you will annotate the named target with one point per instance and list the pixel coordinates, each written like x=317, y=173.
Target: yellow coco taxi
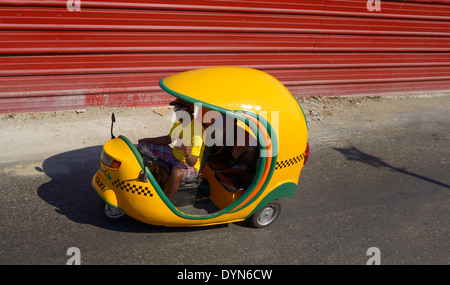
x=255, y=138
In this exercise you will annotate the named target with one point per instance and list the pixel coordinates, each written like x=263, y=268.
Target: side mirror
x=142, y=175
x=113, y=120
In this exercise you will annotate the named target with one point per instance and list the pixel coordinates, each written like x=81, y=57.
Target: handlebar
x=145, y=151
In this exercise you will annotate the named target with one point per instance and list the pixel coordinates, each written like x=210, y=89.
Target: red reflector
x=306, y=153
x=115, y=164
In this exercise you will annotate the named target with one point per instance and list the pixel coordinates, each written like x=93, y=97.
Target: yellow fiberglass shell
x=261, y=100
x=253, y=97
x=143, y=201
x=121, y=187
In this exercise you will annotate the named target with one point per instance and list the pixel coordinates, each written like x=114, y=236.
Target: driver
x=186, y=156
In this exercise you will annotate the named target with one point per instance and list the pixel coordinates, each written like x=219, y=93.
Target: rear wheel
x=266, y=216
x=110, y=213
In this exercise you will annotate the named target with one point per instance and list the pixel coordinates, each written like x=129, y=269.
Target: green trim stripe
x=286, y=190
x=274, y=142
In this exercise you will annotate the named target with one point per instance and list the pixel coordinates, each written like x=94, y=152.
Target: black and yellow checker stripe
x=289, y=162
x=132, y=188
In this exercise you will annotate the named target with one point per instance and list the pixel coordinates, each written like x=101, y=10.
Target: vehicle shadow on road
x=70, y=192
x=354, y=154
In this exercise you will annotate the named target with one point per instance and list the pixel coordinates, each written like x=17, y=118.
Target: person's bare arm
x=163, y=140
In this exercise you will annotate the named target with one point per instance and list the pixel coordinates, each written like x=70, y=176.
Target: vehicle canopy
x=231, y=88
x=246, y=90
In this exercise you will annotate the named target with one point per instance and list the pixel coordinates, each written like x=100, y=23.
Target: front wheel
x=266, y=216
x=110, y=213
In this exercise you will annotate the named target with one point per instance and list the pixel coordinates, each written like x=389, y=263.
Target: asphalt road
x=386, y=187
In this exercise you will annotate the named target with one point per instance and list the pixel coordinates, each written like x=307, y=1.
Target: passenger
x=186, y=156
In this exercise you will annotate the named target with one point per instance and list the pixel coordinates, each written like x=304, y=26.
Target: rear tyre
x=266, y=216
x=110, y=213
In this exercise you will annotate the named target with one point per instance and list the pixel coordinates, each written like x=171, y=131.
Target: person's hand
x=187, y=151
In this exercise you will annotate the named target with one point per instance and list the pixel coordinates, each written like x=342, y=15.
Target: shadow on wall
x=354, y=154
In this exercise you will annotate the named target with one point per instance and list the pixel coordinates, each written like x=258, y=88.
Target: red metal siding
x=113, y=52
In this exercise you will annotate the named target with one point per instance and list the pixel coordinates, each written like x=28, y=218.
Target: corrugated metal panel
x=113, y=52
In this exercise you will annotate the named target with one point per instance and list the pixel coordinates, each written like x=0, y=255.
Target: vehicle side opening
x=235, y=162
x=227, y=170
x=232, y=163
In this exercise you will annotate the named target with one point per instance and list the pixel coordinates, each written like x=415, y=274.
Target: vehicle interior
x=227, y=169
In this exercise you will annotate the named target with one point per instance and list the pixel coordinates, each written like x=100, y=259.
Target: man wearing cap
x=186, y=156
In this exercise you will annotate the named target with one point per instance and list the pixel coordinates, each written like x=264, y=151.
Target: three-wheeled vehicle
x=255, y=137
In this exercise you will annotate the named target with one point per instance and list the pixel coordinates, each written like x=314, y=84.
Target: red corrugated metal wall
x=113, y=52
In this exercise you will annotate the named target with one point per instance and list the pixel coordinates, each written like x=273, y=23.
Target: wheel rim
x=267, y=215
x=113, y=213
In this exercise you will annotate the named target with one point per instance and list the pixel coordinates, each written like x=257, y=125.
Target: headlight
x=109, y=161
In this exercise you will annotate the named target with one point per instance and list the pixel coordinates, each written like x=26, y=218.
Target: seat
x=232, y=147
x=239, y=175
x=234, y=164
